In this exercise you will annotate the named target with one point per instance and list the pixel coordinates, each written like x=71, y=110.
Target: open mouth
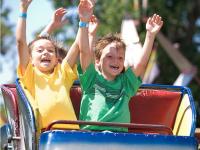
x=45, y=61
x=114, y=67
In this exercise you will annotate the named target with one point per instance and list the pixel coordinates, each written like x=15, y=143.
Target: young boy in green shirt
x=107, y=86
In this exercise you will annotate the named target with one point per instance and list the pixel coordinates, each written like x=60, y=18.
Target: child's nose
x=45, y=51
x=115, y=60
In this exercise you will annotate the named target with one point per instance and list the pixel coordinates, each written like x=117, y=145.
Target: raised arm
x=153, y=26
x=23, y=52
x=73, y=53
x=74, y=50
x=55, y=23
x=85, y=10
x=92, y=29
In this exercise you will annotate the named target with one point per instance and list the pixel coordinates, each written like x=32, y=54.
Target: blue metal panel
x=27, y=119
x=100, y=140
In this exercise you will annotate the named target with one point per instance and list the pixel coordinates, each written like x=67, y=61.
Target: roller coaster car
x=162, y=117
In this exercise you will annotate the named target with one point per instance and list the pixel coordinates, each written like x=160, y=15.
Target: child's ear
x=30, y=60
x=58, y=59
x=97, y=62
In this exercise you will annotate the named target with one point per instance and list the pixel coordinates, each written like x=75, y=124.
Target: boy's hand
x=85, y=10
x=24, y=5
x=93, y=25
x=57, y=21
x=154, y=24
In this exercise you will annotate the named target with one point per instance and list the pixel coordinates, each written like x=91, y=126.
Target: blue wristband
x=23, y=15
x=83, y=24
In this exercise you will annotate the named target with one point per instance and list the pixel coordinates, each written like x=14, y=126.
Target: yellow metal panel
x=183, y=120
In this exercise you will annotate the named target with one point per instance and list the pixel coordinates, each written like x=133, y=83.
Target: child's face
x=111, y=62
x=43, y=56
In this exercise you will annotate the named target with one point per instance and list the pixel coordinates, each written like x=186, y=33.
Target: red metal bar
x=151, y=127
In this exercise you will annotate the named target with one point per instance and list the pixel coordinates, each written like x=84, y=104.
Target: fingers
x=160, y=22
x=24, y=4
x=26, y=1
x=155, y=19
x=85, y=10
x=87, y=3
x=94, y=19
x=149, y=21
x=93, y=2
x=58, y=14
x=83, y=3
x=60, y=11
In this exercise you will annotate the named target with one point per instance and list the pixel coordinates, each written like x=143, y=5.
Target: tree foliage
x=5, y=29
x=179, y=26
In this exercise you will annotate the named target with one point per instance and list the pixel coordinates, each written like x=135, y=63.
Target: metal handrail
x=150, y=127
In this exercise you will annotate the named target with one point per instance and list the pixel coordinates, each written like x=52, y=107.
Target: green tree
x=179, y=18
x=5, y=29
x=6, y=41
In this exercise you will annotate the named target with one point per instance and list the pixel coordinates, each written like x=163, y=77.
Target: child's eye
x=120, y=58
x=40, y=50
x=50, y=50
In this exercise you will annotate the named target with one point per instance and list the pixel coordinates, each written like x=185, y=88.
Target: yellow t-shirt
x=49, y=94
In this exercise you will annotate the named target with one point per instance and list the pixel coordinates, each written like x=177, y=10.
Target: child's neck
x=111, y=78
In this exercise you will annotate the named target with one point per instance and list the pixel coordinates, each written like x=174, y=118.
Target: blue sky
x=39, y=14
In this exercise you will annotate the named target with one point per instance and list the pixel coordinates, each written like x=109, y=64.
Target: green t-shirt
x=106, y=101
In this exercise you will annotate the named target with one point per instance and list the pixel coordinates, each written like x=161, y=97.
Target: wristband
x=23, y=15
x=83, y=24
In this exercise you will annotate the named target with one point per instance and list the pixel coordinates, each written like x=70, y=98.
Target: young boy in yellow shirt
x=46, y=82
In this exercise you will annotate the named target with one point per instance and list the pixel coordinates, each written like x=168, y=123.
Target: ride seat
x=148, y=106
x=10, y=131
x=10, y=100
x=76, y=94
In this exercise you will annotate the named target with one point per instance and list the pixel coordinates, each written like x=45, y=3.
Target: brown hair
x=104, y=41
x=30, y=45
x=62, y=52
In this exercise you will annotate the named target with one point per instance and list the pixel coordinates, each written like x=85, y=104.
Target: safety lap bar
x=151, y=127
